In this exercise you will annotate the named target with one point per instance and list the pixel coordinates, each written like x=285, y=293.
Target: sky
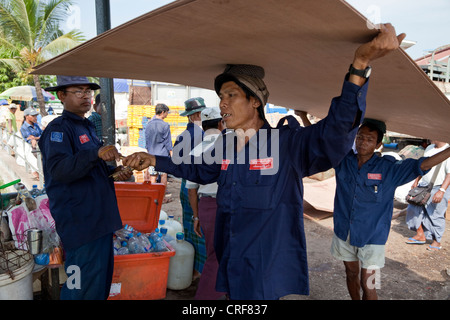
x=424, y=22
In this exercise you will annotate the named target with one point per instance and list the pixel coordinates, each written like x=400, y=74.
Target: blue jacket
x=364, y=198
x=81, y=195
x=259, y=235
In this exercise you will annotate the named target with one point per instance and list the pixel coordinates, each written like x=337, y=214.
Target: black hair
x=211, y=124
x=160, y=108
x=373, y=127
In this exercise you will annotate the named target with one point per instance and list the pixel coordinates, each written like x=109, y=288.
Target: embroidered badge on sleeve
x=56, y=137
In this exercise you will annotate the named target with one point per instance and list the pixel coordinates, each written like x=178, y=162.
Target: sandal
x=433, y=248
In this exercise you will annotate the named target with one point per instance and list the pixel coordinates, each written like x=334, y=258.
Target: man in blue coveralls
x=259, y=237
x=365, y=187
x=81, y=195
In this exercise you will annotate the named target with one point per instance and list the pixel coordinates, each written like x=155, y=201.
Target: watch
x=362, y=73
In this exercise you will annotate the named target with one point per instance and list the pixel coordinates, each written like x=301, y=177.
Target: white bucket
x=21, y=264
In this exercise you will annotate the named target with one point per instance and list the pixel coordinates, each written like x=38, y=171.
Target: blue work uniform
x=81, y=195
x=364, y=199
x=259, y=234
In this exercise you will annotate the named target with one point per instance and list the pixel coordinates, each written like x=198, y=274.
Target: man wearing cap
x=30, y=130
x=364, y=202
x=81, y=194
x=11, y=124
x=202, y=199
x=184, y=143
x=259, y=237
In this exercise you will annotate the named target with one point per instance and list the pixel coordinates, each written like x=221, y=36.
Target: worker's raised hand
x=139, y=160
x=384, y=42
x=109, y=153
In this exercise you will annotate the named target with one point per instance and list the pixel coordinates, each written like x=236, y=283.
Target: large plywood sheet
x=305, y=47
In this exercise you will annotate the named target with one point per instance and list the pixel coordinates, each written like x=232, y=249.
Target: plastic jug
x=170, y=230
x=181, y=265
x=163, y=215
x=175, y=225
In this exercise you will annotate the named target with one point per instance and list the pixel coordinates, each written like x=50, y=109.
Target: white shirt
x=431, y=150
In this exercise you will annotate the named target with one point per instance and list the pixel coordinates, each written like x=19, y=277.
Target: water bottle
x=124, y=249
x=166, y=237
x=34, y=191
x=43, y=191
x=153, y=236
x=133, y=245
x=130, y=229
x=117, y=245
x=181, y=265
x=144, y=242
x=122, y=234
x=160, y=246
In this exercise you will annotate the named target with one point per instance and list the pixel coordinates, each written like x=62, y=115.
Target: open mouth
x=226, y=115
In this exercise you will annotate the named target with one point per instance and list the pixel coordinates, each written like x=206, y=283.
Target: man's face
x=164, y=115
x=366, y=141
x=73, y=103
x=32, y=119
x=236, y=110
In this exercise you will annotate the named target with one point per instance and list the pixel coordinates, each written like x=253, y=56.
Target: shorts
x=372, y=256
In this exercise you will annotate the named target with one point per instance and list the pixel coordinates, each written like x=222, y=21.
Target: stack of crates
x=138, y=116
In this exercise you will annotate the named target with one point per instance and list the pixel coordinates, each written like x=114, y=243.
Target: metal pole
x=103, y=16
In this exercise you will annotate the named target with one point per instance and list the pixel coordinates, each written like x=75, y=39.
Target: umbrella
x=25, y=93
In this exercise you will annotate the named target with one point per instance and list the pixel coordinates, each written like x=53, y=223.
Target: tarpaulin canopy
x=305, y=47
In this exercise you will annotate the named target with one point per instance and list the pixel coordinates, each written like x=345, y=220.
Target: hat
x=380, y=125
x=68, y=81
x=192, y=106
x=12, y=106
x=210, y=114
x=30, y=112
x=248, y=75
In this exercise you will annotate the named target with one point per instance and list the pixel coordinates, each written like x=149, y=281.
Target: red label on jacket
x=84, y=138
x=225, y=164
x=374, y=176
x=261, y=164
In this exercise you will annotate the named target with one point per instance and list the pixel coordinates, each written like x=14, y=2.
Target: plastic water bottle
x=122, y=234
x=124, y=249
x=153, y=236
x=133, y=245
x=160, y=246
x=34, y=191
x=166, y=237
x=181, y=265
x=43, y=191
x=144, y=242
x=117, y=245
x=130, y=229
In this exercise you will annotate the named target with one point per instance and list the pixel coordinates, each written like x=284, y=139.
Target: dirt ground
x=411, y=272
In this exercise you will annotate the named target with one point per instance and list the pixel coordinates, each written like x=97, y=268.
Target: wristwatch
x=362, y=73
x=195, y=218
x=442, y=189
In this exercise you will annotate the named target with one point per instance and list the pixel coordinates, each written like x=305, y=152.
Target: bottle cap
x=180, y=235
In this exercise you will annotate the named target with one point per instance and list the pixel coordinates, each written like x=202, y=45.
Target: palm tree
x=30, y=34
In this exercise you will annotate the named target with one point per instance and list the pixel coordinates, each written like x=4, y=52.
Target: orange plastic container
x=140, y=276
